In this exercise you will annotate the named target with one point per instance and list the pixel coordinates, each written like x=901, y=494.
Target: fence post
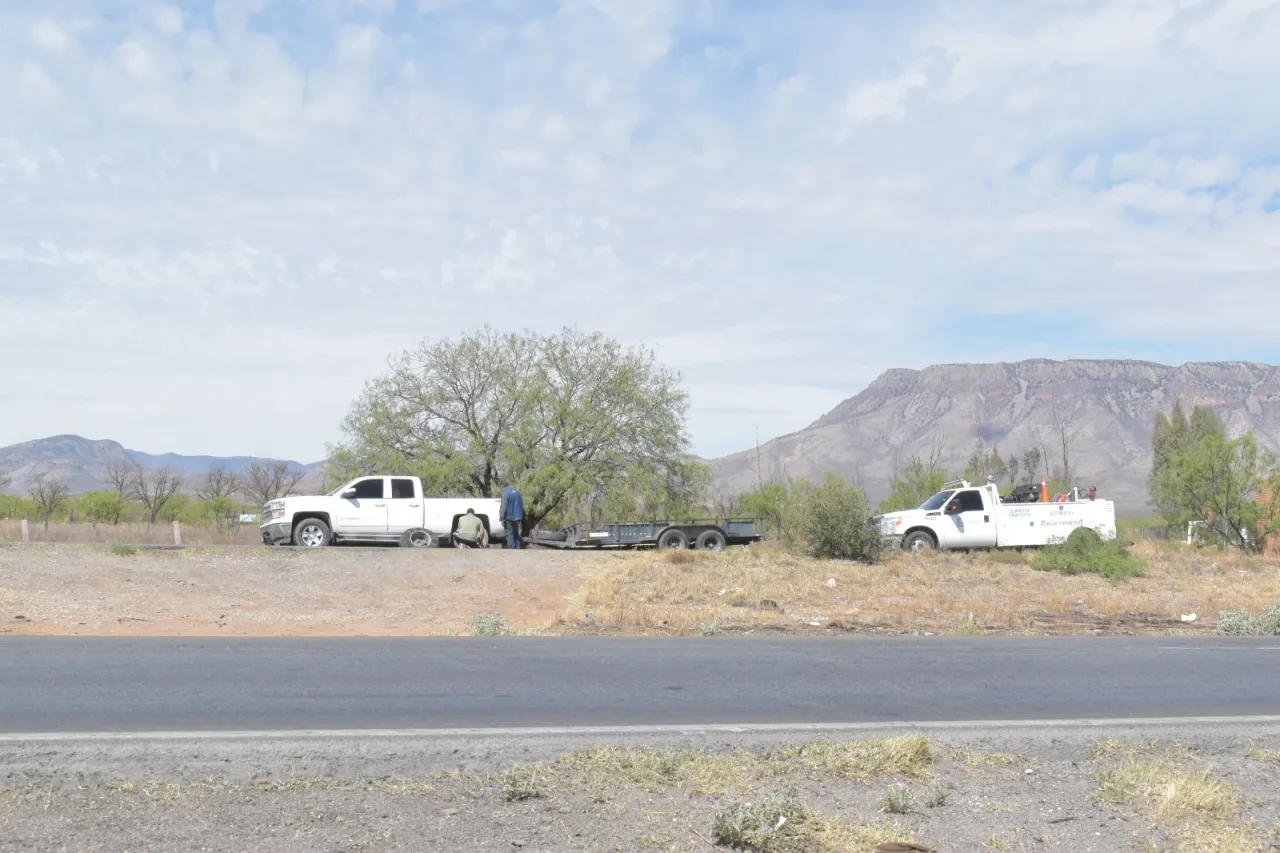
x=177, y=532
x=26, y=531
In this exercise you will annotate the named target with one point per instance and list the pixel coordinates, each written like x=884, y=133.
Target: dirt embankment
x=202, y=591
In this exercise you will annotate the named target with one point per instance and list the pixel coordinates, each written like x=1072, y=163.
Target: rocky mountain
x=83, y=462
x=1105, y=408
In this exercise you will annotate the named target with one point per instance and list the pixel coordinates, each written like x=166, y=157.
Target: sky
x=219, y=219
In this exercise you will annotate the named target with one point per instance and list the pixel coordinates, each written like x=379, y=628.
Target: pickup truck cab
x=967, y=517
x=373, y=509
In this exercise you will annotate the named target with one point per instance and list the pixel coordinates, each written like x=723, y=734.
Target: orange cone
x=1044, y=491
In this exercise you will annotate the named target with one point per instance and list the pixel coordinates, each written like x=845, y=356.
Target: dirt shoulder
x=1070, y=790
x=211, y=591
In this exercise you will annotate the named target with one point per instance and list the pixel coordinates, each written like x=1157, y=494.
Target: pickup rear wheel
x=417, y=538
x=919, y=540
x=311, y=533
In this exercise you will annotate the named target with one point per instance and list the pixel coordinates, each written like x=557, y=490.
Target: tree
x=832, y=521
x=1011, y=467
x=1031, y=462
x=562, y=417
x=217, y=489
x=102, y=506
x=1216, y=481
x=154, y=488
x=49, y=493
x=985, y=465
x=5, y=479
x=121, y=473
x=918, y=480
x=264, y=482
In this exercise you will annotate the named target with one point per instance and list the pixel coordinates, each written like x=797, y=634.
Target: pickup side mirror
x=953, y=508
x=349, y=494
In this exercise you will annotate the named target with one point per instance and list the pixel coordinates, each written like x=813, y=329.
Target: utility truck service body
x=963, y=517
x=374, y=509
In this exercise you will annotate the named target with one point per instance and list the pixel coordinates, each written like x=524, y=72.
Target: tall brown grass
x=131, y=534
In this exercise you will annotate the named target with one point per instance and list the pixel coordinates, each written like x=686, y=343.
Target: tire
x=673, y=538
x=1084, y=537
x=711, y=540
x=919, y=540
x=311, y=533
x=417, y=538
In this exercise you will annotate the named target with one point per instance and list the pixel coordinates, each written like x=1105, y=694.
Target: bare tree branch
x=120, y=474
x=264, y=482
x=49, y=493
x=154, y=488
x=218, y=484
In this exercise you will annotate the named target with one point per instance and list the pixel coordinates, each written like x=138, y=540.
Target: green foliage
x=752, y=826
x=770, y=503
x=122, y=550
x=488, y=625
x=1031, y=464
x=19, y=507
x=832, y=520
x=986, y=464
x=103, y=508
x=1089, y=554
x=569, y=419
x=915, y=484
x=1242, y=623
x=1199, y=474
x=521, y=783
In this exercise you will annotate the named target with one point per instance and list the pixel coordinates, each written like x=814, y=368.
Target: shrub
x=1242, y=623
x=124, y=550
x=751, y=825
x=488, y=625
x=898, y=800
x=520, y=784
x=1085, y=552
x=833, y=521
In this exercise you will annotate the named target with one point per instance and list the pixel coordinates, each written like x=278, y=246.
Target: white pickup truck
x=963, y=517
x=374, y=509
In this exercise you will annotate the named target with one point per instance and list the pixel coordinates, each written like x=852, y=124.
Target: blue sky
x=218, y=219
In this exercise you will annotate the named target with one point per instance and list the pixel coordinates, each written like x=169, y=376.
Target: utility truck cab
x=965, y=517
x=374, y=509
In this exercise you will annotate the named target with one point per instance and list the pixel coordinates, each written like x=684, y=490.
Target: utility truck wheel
x=311, y=533
x=416, y=538
x=710, y=540
x=919, y=540
x=673, y=539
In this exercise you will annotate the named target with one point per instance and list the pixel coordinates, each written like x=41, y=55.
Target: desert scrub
x=124, y=550
x=898, y=800
x=1085, y=552
x=1242, y=623
x=488, y=625
x=753, y=826
x=521, y=783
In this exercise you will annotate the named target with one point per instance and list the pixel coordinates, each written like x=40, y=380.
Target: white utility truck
x=374, y=509
x=964, y=517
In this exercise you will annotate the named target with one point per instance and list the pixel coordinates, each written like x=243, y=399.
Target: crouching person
x=470, y=532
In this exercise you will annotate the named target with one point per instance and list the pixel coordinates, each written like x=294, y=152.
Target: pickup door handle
x=415, y=505
x=379, y=504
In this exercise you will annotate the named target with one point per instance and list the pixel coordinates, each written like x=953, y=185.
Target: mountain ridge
x=84, y=461
x=1106, y=407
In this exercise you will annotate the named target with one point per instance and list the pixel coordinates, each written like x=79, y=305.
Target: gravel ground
x=1005, y=789
x=335, y=592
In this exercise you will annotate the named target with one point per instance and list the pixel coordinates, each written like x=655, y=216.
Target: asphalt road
x=63, y=685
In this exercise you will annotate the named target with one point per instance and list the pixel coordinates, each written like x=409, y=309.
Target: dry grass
x=940, y=593
x=1268, y=756
x=1179, y=794
x=705, y=773
x=781, y=823
x=133, y=534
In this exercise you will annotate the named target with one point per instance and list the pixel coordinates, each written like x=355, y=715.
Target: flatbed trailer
x=702, y=534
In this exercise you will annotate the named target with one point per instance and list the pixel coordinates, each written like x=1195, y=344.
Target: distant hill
x=83, y=462
x=1108, y=408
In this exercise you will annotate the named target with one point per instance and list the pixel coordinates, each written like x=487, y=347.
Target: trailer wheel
x=311, y=533
x=417, y=538
x=710, y=540
x=673, y=538
x=919, y=540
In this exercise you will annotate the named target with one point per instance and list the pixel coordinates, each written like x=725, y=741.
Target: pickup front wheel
x=311, y=533
x=919, y=540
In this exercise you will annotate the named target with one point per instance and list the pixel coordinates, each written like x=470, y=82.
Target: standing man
x=512, y=515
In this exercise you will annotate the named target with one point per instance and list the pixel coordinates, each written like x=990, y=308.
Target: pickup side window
x=370, y=489
x=402, y=490
x=969, y=500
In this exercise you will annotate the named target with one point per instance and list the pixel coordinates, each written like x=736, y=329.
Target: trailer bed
x=703, y=534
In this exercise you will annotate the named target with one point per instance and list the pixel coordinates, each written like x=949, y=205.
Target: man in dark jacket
x=512, y=515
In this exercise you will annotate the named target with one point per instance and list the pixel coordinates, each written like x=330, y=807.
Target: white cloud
x=228, y=224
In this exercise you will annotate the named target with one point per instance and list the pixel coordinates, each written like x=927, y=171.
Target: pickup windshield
x=936, y=502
